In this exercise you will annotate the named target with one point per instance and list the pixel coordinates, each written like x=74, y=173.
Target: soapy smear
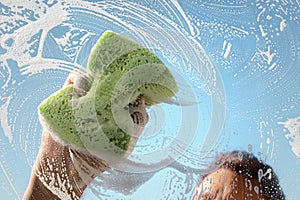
x=244, y=51
x=29, y=52
x=292, y=126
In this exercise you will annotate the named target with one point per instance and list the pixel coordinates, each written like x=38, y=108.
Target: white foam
x=46, y=22
x=4, y=119
x=259, y=14
x=226, y=49
x=175, y=2
x=263, y=33
x=293, y=126
x=283, y=25
x=267, y=55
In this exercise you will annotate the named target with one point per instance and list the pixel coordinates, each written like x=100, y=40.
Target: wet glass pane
x=237, y=69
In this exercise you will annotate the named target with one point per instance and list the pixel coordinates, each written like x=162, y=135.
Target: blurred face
x=225, y=184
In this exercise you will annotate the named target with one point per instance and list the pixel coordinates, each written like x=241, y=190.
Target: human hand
x=61, y=172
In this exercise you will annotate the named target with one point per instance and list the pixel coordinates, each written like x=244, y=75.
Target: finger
x=138, y=111
x=140, y=118
x=70, y=78
x=87, y=165
x=80, y=81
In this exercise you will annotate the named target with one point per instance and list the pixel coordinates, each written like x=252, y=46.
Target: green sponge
x=119, y=71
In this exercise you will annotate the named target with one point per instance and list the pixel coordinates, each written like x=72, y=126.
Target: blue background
x=254, y=47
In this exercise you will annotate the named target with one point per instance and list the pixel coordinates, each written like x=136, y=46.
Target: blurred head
x=240, y=176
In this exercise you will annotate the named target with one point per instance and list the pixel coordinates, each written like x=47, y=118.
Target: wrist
x=60, y=172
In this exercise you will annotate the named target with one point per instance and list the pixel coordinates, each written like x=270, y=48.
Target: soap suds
x=292, y=125
x=4, y=119
x=167, y=26
x=175, y=2
x=226, y=49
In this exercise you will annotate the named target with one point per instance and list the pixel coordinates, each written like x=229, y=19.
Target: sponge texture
x=119, y=71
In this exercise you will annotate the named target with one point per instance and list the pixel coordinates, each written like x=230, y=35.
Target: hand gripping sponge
x=119, y=71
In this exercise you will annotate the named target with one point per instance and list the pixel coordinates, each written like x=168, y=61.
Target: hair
x=247, y=165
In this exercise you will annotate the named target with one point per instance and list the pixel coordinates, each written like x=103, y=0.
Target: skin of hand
x=224, y=184
x=63, y=173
